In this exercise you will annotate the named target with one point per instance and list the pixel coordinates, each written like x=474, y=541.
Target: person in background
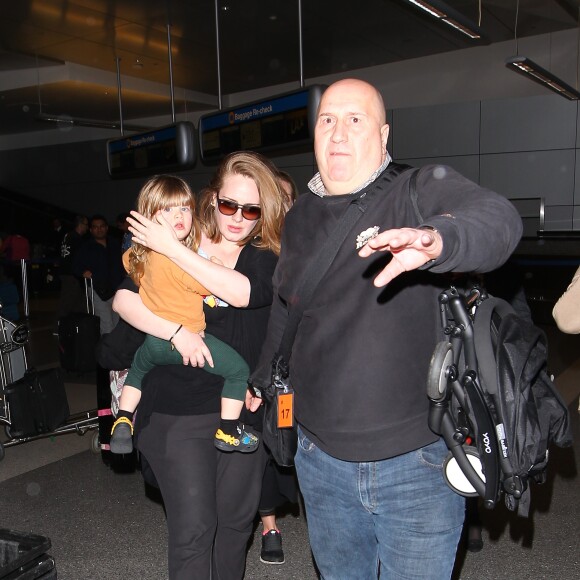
x=99, y=258
x=289, y=186
x=180, y=405
x=368, y=465
x=15, y=247
x=279, y=485
x=566, y=311
x=9, y=298
x=54, y=239
x=72, y=297
x=122, y=226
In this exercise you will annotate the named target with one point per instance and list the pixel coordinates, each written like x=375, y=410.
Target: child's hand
x=252, y=401
x=156, y=234
x=192, y=348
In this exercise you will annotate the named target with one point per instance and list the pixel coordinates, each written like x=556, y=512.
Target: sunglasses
x=249, y=211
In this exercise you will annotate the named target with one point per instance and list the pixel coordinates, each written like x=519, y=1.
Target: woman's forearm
x=190, y=345
x=227, y=284
x=131, y=309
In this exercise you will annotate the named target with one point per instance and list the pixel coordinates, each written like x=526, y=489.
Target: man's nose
x=339, y=132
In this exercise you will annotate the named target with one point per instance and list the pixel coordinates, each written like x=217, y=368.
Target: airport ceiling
x=61, y=57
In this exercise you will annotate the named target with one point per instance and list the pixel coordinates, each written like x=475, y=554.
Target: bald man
x=368, y=466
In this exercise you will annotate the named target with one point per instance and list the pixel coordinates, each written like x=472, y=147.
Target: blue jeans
x=397, y=514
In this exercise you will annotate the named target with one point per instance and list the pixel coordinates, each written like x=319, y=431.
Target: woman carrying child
x=210, y=497
x=174, y=295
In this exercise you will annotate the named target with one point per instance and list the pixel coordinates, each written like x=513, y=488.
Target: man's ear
x=385, y=135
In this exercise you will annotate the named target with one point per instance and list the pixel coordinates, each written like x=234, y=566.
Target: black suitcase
x=40, y=568
x=37, y=402
x=78, y=335
x=23, y=557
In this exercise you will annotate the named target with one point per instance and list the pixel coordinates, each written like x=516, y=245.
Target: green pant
x=227, y=363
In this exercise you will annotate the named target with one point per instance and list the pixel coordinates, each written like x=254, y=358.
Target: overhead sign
x=281, y=122
x=168, y=148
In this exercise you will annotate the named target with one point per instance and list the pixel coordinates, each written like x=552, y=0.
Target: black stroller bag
x=492, y=400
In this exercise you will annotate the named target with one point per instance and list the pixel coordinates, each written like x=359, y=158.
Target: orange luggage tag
x=285, y=409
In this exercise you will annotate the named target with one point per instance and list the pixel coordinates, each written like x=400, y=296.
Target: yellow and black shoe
x=122, y=436
x=244, y=441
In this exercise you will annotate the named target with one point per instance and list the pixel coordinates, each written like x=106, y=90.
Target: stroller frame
x=477, y=464
x=13, y=365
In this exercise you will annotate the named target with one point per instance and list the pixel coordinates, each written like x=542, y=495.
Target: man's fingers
x=389, y=273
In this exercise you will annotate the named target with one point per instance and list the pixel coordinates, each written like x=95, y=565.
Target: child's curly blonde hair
x=158, y=193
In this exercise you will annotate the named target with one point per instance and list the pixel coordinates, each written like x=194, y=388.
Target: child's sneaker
x=244, y=441
x=122, y=436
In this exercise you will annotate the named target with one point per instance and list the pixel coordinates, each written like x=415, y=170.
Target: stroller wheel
x=95, y=443
x=441, y=362
x=454, y=476
x=1, y=452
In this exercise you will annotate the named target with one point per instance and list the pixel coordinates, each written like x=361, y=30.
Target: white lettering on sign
x=139, y=142
x=255, y=112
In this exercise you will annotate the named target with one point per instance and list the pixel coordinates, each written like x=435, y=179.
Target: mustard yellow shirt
x=170, y=292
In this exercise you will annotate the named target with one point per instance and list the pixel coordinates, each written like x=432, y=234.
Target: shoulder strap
x=414, y=195
x=482, y=330
x=323, y=260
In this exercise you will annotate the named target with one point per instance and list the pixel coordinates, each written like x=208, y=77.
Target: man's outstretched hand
x=411, y=248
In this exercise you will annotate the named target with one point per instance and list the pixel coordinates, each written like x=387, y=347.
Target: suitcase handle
x=89, y=286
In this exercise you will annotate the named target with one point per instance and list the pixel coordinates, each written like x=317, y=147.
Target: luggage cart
x=13, y=367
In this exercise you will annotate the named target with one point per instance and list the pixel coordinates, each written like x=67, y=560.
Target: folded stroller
x=492, y=400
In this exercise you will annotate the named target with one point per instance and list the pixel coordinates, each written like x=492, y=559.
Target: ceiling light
x=535, y=72
x=451, y=17
x=75, y=121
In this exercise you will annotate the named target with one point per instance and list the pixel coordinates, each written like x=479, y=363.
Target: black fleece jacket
x=361, y=355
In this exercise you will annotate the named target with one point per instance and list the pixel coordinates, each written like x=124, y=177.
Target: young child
x=174, y=295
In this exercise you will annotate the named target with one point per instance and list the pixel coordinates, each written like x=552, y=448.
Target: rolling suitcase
x=38, y=403
x=78, y=334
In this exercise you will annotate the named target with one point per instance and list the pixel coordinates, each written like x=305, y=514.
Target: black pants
x=210, y=497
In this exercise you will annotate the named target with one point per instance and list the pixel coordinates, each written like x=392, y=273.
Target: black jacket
x=104, y=262
x=361, y=354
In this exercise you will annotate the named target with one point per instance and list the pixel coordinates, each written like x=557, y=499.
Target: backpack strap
x=486, y=360
x=323, y=260
x=396, y=170
x=413, y=194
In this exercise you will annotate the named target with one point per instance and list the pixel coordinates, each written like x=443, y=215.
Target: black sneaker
x=272, y=548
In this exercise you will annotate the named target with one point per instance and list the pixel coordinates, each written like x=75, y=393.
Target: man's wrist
x=436, y=244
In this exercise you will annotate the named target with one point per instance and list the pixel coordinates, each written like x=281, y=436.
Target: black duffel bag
x=281, y=441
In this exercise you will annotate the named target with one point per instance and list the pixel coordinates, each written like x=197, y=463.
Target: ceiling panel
x=259, y=47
